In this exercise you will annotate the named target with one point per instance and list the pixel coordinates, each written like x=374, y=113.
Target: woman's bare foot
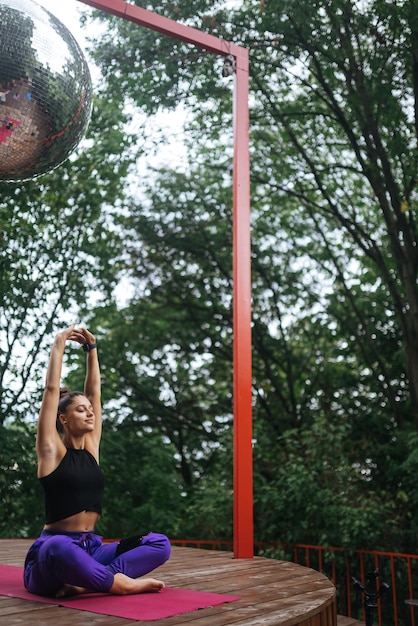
x=123, y=585
x=70, y=590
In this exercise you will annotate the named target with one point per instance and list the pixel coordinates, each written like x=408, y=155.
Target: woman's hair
x=66, y=398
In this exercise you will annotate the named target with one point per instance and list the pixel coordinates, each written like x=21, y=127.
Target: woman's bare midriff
x=80, y=523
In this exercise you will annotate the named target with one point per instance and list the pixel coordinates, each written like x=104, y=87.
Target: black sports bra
x=76, y=485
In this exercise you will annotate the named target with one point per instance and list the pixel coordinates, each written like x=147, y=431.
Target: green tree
x=333, y=133
x=143, y=491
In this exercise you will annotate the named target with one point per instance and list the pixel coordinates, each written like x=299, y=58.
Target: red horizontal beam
x=166, y=26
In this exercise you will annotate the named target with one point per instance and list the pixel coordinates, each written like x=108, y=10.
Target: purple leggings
x=83, y=560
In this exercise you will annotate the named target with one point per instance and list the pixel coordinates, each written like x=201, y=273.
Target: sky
x=166, y=129
x=67, y=11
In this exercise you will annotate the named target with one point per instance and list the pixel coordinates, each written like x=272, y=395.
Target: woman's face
x=79, y=417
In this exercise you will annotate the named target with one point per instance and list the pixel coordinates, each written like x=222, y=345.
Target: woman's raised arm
x=48, y=441
x=92, y=384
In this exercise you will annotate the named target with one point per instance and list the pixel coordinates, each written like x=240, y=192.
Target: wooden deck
x=273, y=593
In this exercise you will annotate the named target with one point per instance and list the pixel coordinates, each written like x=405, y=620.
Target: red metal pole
x=242, y=362
x=243, y=454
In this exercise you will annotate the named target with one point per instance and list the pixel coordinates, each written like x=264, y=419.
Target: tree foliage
x=334, y=230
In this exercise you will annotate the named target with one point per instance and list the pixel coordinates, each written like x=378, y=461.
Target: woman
x=68, y=558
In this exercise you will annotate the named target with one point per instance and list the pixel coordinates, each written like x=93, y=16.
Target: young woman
x=69, y=558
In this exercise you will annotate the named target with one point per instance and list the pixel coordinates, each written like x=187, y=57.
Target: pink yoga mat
x=145, y=606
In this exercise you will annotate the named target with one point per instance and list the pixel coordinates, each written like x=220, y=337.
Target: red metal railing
x=399, y=571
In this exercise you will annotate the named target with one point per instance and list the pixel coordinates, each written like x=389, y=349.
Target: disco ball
x=45, y=91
